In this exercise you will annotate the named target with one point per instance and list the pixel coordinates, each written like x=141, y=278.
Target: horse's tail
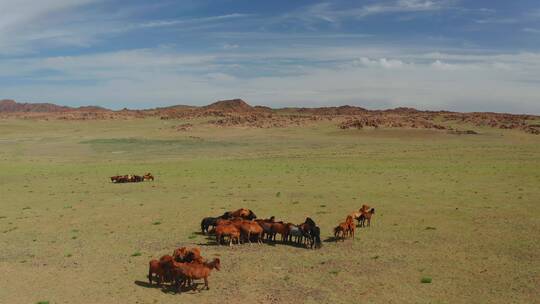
x=372, y=211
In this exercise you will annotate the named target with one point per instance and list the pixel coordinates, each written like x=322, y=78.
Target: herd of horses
x=131, y=178
x=347, y=229
x=186, y=265
x=182, y=268
x=242, y=226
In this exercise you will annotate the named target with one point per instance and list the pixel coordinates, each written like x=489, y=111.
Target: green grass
x=425, y=280
x=480, y=193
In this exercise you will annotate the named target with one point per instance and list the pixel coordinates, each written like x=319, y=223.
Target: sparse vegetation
x=414, y=178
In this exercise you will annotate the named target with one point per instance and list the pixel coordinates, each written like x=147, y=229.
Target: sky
x=481, y=55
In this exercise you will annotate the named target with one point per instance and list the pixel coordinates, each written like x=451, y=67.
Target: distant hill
x=230, y=106
x=8, y=105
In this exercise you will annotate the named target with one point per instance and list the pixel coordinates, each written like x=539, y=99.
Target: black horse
x=208, y=222
x=313, y=232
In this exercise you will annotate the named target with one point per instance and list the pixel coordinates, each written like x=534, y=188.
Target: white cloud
x=443, y=66
x=229, y=46
x=455, y=81
x=381, y=62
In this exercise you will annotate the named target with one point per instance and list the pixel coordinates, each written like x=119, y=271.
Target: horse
x=148, y=176
x=313, y=231
x=212, y=221
x=350, y=226
x=159, y=269
x=316, y=237
x=339, y=232
x=297, y=233
x=187, y=255
x=266, y=225
x=345, y=229
x=243, y=213
x=194, y=271
x=366, y=216
x=119, y=179
x=281, y=228
x=227, y=230
x=250, y=228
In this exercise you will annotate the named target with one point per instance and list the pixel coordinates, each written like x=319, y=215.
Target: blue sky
x=429, y=54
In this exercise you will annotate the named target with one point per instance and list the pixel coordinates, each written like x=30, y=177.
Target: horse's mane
x=310, y=222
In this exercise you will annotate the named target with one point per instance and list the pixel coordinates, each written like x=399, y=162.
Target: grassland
x=461, y=212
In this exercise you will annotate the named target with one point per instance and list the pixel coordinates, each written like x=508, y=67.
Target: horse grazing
x=194, y=271
x=188, y=255
x=367, y=215
x=208, y=222
x=148, y=176
x=243, y=213
x=229, y=230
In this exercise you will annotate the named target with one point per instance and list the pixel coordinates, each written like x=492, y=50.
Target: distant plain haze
x=429, y=54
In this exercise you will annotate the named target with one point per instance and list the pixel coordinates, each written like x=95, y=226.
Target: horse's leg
x=206, y=283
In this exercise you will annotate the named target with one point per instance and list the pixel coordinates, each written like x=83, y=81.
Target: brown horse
x=194, y=271
x=351, y=227
x=357, y=214
x=159, y=269
x=243, y=213
x=251, y=228
x=345, y=229
x=281, y=228
x=367, y=215
x=188, y=255
x=339, y=231
x=227, y=230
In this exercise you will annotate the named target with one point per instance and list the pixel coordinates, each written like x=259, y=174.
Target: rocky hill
x=236, y=112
